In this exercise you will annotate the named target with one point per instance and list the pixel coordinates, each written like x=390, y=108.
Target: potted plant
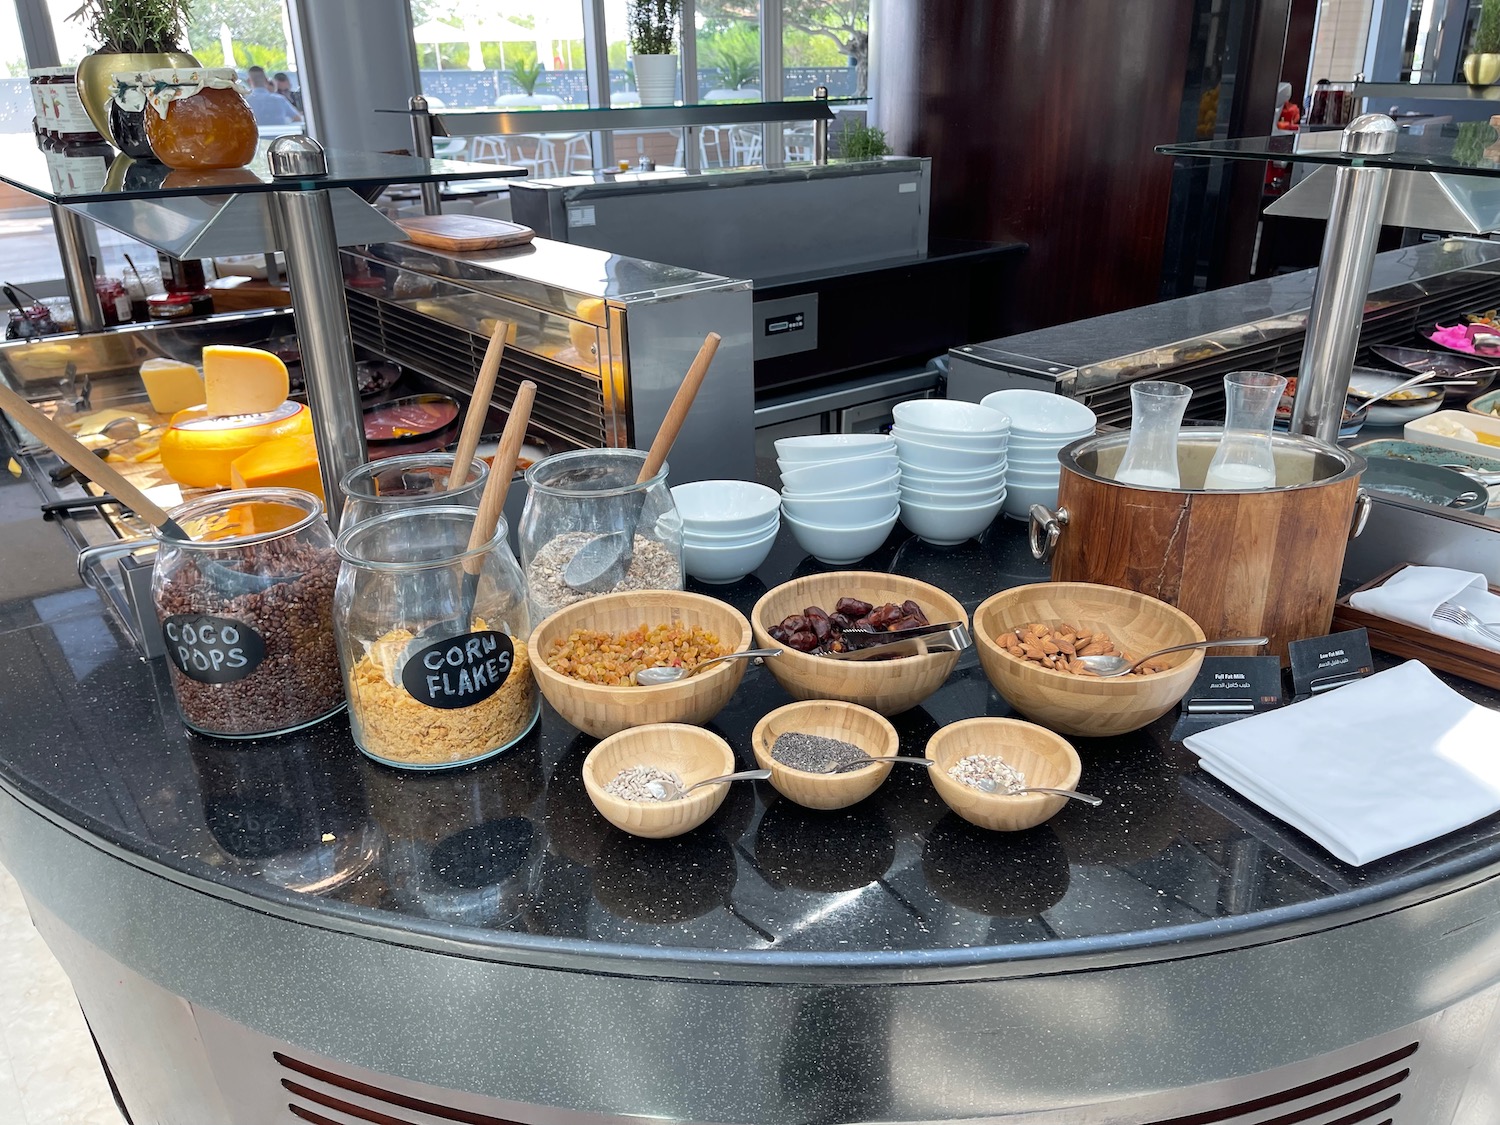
x=132, y=35
x=653, y=43
x=735, y=54
x=527, y=73
x=858, y=141
x=1482, y=66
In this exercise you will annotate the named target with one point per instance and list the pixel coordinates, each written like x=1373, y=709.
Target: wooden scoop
x=601, y=563
x=479, y=408
x=491, y=503
x=75, y=453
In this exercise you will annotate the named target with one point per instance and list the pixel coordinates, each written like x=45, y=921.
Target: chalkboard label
x=212, y=650
x=460, y=671
x=1322, y=663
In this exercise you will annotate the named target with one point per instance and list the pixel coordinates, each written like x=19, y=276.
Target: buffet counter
x=281, y=930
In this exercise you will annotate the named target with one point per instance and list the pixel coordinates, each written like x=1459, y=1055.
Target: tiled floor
x=49, y=1073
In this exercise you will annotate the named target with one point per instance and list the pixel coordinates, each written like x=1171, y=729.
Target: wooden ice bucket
x=1263, y=562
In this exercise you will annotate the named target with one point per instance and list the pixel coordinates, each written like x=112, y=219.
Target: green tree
x=253, y=25
x=846, y=23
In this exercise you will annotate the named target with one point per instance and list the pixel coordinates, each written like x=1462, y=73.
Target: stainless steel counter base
x=211, y=1012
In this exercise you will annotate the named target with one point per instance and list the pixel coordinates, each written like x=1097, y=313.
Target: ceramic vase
x=656, y=78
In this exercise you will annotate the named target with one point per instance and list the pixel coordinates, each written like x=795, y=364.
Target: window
x=478, y=53
x=825, y=43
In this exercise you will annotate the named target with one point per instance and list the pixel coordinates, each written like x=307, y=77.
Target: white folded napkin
x=1369, y=769
x=1414, y=592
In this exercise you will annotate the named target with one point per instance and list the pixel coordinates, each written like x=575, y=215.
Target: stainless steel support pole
x=421, y=145
x=78, y=271
x=1338, y=301
x=820, y=130
x=305, y=231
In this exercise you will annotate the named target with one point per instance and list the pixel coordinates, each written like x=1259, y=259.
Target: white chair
x=578, y=154
x=799, y=144
x=533, y=152
x=488, y=149
x=746, y=146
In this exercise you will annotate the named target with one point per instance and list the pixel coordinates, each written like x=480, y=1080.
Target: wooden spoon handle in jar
x=75, y=453
x=678, y=412
x=479, y=408
x=502, y=469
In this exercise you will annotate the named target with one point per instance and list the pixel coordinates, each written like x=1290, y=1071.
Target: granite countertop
x=507, y=860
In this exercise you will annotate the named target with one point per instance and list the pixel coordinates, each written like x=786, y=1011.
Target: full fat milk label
x=212, y=650
x=459, y=671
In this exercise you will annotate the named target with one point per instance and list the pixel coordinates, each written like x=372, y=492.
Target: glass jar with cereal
x=427, y=689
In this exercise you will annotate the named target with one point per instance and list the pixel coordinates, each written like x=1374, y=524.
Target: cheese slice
x=199, y=447
x=288, y=462
x=243, y=380
x=172, y=385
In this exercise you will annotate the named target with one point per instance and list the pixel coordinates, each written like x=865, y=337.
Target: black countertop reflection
x=509, y=859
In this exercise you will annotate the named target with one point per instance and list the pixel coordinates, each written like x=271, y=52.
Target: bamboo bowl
x=886, y=686
x=1045, y=758
x=844, y=721
x=692, y=753
x=600, y=710
x=1084, y=705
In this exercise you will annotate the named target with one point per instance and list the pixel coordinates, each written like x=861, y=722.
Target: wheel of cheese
x=199, y=448
x=286, y=462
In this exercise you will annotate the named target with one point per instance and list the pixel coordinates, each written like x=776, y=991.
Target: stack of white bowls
x=1041, y=423
x=728, y=527
x=839, y=493
x=953, y=467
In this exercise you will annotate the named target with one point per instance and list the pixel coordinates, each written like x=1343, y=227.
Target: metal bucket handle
x=1362, y=507
x=1046, y=528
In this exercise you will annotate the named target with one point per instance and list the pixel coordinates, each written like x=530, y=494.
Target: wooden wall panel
x=1040, y=117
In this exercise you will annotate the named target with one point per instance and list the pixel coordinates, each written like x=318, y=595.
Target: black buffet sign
x=1229, y=688
x=1322, y=663
x=212, y=650
x=459, y=671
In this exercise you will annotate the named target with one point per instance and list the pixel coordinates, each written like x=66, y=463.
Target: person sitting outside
x=283, y=86
x=269, y=107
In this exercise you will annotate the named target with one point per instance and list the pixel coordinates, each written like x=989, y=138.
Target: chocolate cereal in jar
x=430, y=687
x=246, y=612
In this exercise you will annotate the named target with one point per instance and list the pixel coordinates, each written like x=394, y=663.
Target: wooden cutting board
x=464, y=232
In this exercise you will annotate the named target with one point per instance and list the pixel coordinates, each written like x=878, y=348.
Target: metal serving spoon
x=1109, y=666
x=666, y=791
x=986, y=785
x=668, y=674
x=1415, y=380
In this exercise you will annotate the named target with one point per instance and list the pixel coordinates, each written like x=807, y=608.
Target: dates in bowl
x=817, y=630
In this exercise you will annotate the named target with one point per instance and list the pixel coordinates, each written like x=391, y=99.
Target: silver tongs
x=866, y=644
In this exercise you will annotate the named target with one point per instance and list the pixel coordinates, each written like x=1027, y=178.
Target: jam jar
x=246, y=611
x=198, y=118
x=127, y=114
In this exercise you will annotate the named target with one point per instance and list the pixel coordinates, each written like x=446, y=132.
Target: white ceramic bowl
x=838, y=476
x=967, y=479
x=840, y=546
x=725, y=505
x=888, y=457
x=920, y=455
x=1044, y=441
x=879, y=488
x=954, y=441
x=719, y=565
x=828, y=447
x=1020, y=497
x=840, y=512
x=950, y=416
x=731, y=538
x=1042, y=412
x=1017, y=475
x=953, y=499
x=947, y=526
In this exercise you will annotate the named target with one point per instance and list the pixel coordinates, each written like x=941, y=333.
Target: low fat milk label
x=460, y=671
x=212, y=650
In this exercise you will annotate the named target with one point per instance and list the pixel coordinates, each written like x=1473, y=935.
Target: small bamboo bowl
x=886, y=686
x=1045, y=758
x=1086, y=705
x=692, y=753
x=600, y=710
x=830, y=719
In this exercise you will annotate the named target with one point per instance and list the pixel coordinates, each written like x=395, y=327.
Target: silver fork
x=1452, y=611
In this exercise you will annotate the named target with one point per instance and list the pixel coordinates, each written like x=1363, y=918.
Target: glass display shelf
x=1428, y=91
x=86, y=176
x=509, y=119
x=1469, y=149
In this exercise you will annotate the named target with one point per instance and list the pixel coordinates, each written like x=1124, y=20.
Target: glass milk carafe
x=1156, y=410
x=1243, y=459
